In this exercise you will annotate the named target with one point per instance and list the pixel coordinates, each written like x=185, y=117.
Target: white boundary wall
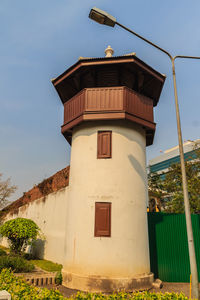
x=49, y=213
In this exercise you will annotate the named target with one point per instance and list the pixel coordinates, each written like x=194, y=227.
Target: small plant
x=58, y=278
x=16, y=264
x=20, y=232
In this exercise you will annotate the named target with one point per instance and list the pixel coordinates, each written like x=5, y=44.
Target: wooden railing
x=104, y=99
x=74, y=107
x=138, y=105
x=112, y=99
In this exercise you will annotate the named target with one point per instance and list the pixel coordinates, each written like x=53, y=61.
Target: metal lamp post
x=102, y=17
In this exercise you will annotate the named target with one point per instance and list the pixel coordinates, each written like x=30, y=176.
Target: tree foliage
x=20, y=232
x=6, y=190
x=167, y=187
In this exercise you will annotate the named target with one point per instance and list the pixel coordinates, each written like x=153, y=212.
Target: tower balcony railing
x=106, y=100
x=108, y=103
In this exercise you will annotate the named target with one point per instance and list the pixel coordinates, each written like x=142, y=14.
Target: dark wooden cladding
x=104, y=144
x=102, y=219
x=108, y=103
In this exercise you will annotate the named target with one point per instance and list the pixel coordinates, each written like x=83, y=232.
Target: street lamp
x=102, y=17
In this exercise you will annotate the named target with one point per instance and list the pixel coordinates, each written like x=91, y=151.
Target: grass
x=47, y=265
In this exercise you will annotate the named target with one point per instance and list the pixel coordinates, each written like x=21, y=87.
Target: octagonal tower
x=108, y=120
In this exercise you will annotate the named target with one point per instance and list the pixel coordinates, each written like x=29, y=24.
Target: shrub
x=130, y=296
x=58, y=278
x=15, y=263
x=20, y=232
x=2, y=252
x=28, y=256
x=20, y=289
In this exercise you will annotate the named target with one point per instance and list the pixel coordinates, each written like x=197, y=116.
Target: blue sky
x=40, y=39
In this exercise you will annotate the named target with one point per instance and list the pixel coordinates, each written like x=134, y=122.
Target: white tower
x=108, y=120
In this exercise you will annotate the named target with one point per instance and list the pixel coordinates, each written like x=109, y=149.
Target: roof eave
x=92, y=61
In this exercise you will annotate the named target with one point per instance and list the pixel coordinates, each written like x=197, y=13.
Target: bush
x=28, y=256
x=130, y=296
x=58, y=278
x=20, y=289
x=16, y=264
x=20, y=233
x=2, y=252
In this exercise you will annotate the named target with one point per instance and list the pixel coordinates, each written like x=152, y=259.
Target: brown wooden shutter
x=102, y=219
x=104, y=144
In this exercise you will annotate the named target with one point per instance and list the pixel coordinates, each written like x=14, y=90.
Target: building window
x=102, y=219
x=104, y=144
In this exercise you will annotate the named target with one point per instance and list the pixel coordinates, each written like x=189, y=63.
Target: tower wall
x=92, y=262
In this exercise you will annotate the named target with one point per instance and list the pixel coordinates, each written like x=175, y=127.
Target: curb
x=39, y=280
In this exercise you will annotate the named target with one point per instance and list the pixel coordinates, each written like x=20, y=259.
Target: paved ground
x=177, y=287
x=170, y=287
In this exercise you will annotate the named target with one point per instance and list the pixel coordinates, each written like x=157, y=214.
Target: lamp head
x=102, y=17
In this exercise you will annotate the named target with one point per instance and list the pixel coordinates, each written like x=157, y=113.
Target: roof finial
x=109, y=51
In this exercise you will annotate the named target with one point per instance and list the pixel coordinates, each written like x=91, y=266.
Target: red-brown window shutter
x=102, y=219
x=104, y=144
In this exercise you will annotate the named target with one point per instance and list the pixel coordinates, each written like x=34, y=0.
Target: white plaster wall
x=49, y=213
x=120, y=180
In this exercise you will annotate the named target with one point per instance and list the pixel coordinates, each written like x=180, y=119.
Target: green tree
x=20, y=233
x=6, y=190
x=167, y=187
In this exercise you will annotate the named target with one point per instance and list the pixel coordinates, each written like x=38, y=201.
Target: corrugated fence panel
x=196, y=230
x=169, y=255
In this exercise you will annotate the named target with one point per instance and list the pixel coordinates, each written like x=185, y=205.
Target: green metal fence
x=169, y=257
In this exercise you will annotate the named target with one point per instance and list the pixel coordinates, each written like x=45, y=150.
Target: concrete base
x=107, y=284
